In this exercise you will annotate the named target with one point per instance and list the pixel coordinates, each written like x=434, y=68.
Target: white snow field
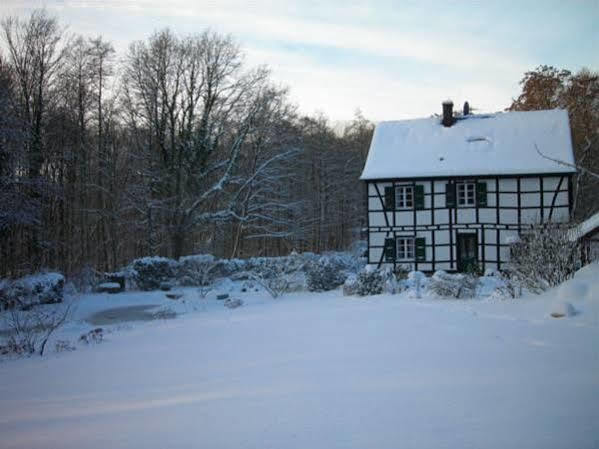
x=319, y=370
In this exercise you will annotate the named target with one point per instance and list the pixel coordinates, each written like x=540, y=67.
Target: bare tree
x=35, y=52
x=544, y=257
x=30, y=330
x=199, y=108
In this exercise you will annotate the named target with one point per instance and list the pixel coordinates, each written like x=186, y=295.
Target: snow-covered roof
x=586, y=227
x=503, y=143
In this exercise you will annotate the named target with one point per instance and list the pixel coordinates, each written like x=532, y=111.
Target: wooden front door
x=467, y=252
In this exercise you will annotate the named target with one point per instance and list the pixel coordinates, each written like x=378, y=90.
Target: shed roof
x=502, y=143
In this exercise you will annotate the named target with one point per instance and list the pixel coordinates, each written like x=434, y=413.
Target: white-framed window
x=404, y=197
x=405, y=248
x=466, y=192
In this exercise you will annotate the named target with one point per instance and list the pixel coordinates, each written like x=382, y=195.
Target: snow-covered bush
x=499, y=286
x=373, y=281
x=197, y=270
x=344, y=261
x=416, y=283
x=28, y=291
x=324, y=274
x=544, y=257
x=272, y=278
x=350, y=286
x=150, y=272
x=228, y=267
x=445, y=285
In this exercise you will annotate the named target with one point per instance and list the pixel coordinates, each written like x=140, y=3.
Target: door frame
x=459, y=237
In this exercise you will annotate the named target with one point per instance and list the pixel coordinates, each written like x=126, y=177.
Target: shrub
x=197, y=270
x=273, y=279
x=150, y=272
x=370, y=282
x=498, y=285
x=28, y=331
x=324, y=274
x=26, y=292
x=350, y=286
x=445, y=285
x=544, y=257
x=416, y=282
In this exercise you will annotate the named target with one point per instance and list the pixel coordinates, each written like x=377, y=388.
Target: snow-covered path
x=318, y=371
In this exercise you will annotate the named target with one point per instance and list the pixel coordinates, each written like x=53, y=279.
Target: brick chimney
x=447, y=113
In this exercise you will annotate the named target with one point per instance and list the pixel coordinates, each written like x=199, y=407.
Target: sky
x=390, y=59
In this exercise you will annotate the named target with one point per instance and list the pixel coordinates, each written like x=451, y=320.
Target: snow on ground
x=318, y=370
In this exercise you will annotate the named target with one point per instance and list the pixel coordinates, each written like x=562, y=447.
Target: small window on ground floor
x=405, y=248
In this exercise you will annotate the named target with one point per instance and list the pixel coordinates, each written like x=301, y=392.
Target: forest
x=179, y=147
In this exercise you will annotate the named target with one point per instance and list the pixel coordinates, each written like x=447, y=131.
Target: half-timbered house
x=452, y=192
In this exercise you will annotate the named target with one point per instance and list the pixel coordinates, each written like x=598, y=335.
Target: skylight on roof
x=472, y=139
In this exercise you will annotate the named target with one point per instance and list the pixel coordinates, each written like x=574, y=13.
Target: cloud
x=378, y=93
x=391, y=60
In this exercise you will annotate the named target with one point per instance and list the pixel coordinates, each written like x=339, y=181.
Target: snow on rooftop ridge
x=424, y=147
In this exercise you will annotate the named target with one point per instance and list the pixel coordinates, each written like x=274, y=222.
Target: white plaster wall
x=423, y=217
x=377, y=238
x=530, y=199
x=442, y=252
x=422, y=266
x=490, y=252
x=560, y=200
x=508, y=184
x=551, y=183
x=466, y=216
x=377, y=219
x=441, y=216
x=442, y=237
x=374, y=204
x=487, y=216
x=490, y=236
x=375, y=254
x=404, y=218
x=508, y=216
x=560, y=215
x=530, y=216
x=529, y=184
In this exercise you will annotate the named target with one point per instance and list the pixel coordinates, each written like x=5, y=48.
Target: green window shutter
x=420, y=249
x=390, y=250
x=481, y=194
x=418, y=197
x=389, y=198
x=449, y=195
